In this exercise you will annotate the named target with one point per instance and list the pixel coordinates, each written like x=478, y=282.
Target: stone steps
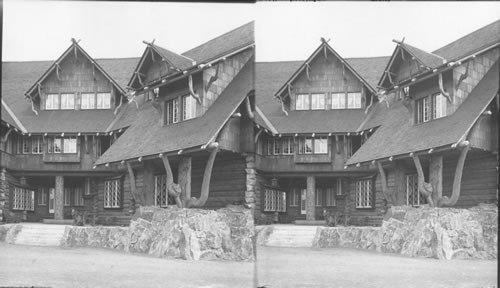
x=291, y=236
x=40, y=235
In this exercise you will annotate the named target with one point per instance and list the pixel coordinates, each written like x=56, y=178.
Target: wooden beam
x=173, y=189
x=337, y=146
x=205, y=185
x=86, y=144
x=383, y=179
x=463, y=76
x=213, y=78
x=457, y=180
x=249, y=108
x=257, y=135
x=446, y=94
x=423, y=187
x=191, y=91
x=185, y=178
x=133, y=187
x=436, y=177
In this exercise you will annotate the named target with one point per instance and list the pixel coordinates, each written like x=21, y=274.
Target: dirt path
x=92, y=267
x=305, y=267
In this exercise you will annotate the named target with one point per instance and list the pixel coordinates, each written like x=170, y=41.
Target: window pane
x=70, y=145
x=318, y=101
x=57, y=145
x=26, y=145
x=87, y=101
x=308, y=145
x=302, y=102
x=67, y=101
x=338, y=100
x=354, y=100
x=52, y=102
x=277, y=148
x=36, y=144
x=188, y=107
x=103, y=100
x=439, y=106
x=320, y=145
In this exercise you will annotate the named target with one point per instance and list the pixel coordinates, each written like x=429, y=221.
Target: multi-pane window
x=188, y=107
x=161, y=194
x=364, y=194
x=172, y=111
x=354, y=100
x=338, y=187
x=439, y=106
x=330, y=197
x=302, y=102
x=87, y=101
x=23, y=199
x=274, y=200
x=112, y=194
x=277, y=146
x=67, y=196
x=287, y=145
x=318, y=197
x=338, y=100
x=431, y=107
x=69, y=145
x=42, y=196
x=309, y=145
x=78, y=196
x=54, y=145
x=321, y=145
x=318, y=101
x=305, y=145
x=294, y=199
x=52, y=102
x=36, y=144
x=103, y=100
x=26, y=145
x=270, y=146
x=67, y=101
x=413, y=197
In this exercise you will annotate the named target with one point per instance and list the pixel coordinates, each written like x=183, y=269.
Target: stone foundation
x=192, y=234
x=443, y=233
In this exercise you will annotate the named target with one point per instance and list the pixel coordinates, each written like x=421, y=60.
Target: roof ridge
x=468, y=34
x=192, y=60
x=217, y=37
x=415, y=47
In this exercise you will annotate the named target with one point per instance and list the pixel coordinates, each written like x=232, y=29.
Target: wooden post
x=185, y=178
x=423, y=187
x=149, y=183
x=59, y=198
x=310, y=198
x=436, y=177
x=133, y=188
x=205, y=185
x=337, y=144
x=457, y=181
x=172, y=188
x=400, y=180
x=385, y=189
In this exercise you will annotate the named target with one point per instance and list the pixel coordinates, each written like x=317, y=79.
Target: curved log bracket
x=463, y=76
x=191, y=91
x=385, y=191
x=457, y=180
x=205, y=185
x=423, y=187
x=133, y=188
x=249, y=108
x=441, y=88
x=213, y=78
x=173, y=189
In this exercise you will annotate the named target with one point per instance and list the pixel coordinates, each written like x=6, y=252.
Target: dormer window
x=431, y=107
x=318, y=101
x=338, y=100
x=87, y=101
x=351, y=100
x=67, y=101
x=354, y=100
x=103, y=100
x=172, y=111
x=302, y=102
x=52, y=102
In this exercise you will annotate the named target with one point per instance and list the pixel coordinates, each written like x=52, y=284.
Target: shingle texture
x=398, y=135
x=224, y=44
x=146, y=136
x=7, y=118
x=428, y=59
x=179, y=61
x=18, y=77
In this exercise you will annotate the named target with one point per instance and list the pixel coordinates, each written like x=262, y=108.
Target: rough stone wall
x=6, y=188
x=443, y=233
x=251, y=180
x=192, y=234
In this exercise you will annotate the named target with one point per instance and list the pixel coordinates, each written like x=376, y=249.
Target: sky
x=41, y=30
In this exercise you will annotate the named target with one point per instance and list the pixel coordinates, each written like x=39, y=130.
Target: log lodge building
x=210, y=127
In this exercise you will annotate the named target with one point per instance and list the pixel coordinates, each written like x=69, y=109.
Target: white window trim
x=112, y=193
x=354, y=100
x=66, y=97
x=104, y=104
x=316, y=100
x=364, y=197
x=161, y=195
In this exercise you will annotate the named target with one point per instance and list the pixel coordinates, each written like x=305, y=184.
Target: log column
x=310, y=198
x=59, y=198
x=184, y=170
x=436, y=177
x=149, y=184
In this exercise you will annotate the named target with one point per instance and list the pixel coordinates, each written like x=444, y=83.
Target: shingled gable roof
x=17, y=78
x=474, y=42
x=321, y=47
x=398, y=135
x=232, y=41
x=271, y=75
x=146, y=137
x=73, y=47
x=10, y=118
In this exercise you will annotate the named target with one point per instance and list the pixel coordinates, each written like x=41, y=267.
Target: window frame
x=160, y=191
x=66, y=95
x=116, y=200
x=23, y=199
x=88, y=107
x=305, y=98
x=71, y=140
x=313, y=101
x=37, y=142
x=42, y=196
x=318, y=197
x=430, y=105
x=316, y=140
x=294, y=198
x=356, y=101
x=364, y=198
x=287, y=143
x=189, y=104
x=26, y=145
x=54, y=101
x=103, y=106
x=341, y=100
x=413, y=186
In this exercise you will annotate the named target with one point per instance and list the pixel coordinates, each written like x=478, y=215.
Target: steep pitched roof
x=146, y=137
x=17, y=77
x=10, y=118
x=428, y=59
x=472, y=42
x=398, y=135
x=226, y=43
x=179, y=61
x=270, y=76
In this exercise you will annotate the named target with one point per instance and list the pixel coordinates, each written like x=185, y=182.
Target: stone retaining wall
x=443, y=233
x=192, y=234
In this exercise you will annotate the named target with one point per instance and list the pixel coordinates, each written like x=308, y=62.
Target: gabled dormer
x=182, y=88
x=430, y=86
x=326, y=81
x=75, y=81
